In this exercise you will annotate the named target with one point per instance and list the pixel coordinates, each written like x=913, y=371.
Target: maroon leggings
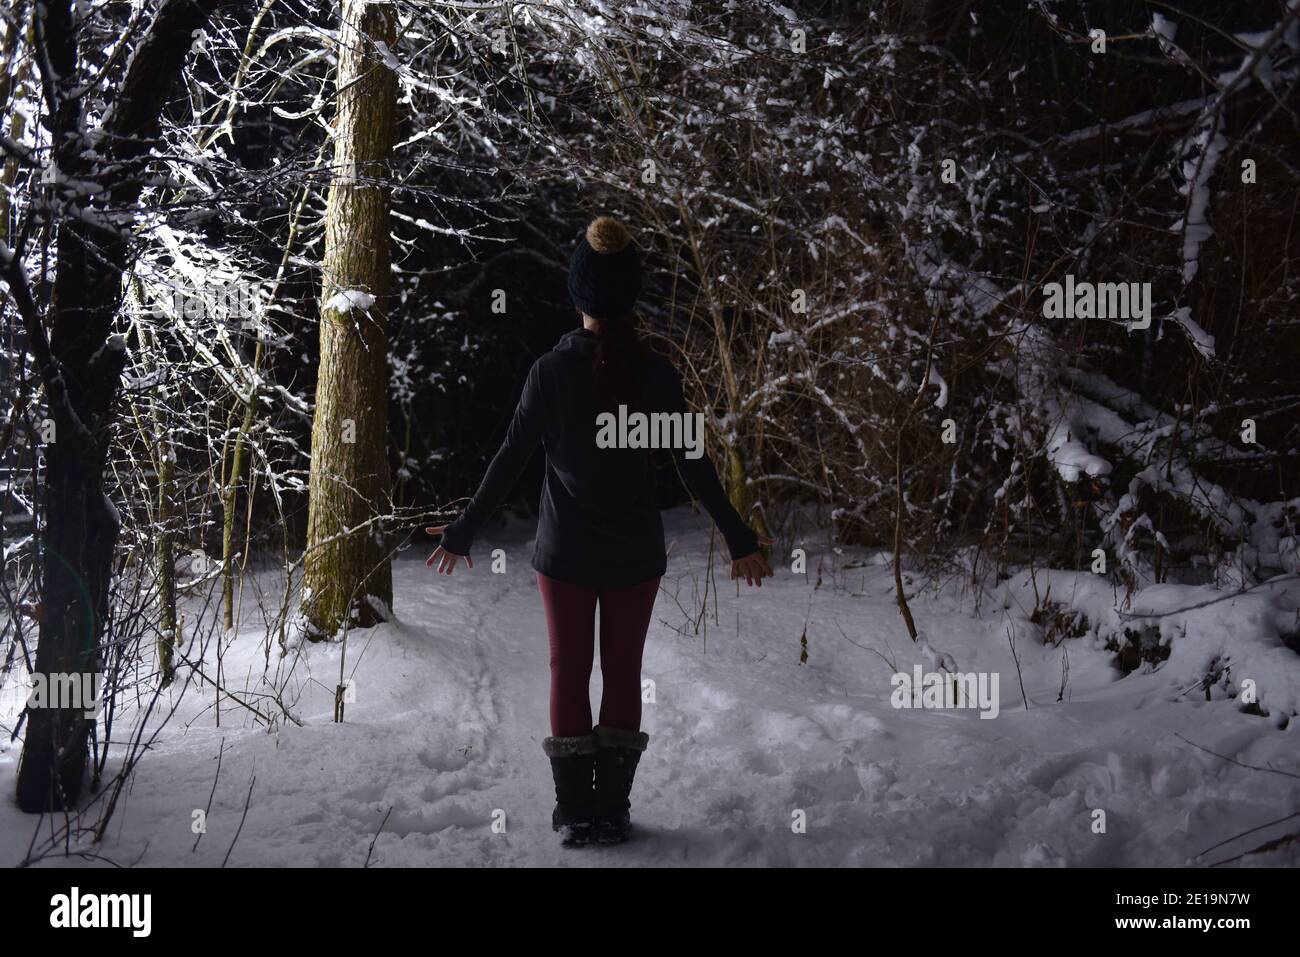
x=570, y=619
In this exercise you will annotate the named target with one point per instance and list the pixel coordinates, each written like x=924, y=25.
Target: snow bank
x=1234, y=641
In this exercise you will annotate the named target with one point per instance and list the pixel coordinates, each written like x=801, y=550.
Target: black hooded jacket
x=599, y=516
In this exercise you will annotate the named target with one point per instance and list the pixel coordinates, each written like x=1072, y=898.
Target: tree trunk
x=166, y=554
x=229, y=493
x=347, y=564
x=163, y=456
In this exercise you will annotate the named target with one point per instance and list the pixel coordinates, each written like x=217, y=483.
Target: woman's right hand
x=753, y=567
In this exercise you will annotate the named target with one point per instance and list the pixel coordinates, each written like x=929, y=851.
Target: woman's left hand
x=446, y=560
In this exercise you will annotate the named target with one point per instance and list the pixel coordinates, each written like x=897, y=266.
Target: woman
x=600, y=538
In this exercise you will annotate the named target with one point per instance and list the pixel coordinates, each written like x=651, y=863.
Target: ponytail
x=618, y=365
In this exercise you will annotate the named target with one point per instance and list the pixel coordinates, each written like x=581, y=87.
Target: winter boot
x=616, y=761
x=573, y=764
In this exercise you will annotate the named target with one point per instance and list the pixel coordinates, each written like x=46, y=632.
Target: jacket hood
x=579, y=341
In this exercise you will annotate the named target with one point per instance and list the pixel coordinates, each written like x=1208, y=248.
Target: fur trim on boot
x=563, y=747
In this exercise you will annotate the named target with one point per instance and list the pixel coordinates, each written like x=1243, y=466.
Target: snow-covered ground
x=444, y=738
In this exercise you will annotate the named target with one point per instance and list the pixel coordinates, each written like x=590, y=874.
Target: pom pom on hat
x=607, y=235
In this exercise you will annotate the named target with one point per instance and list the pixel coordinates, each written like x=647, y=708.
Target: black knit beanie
x=605, y=271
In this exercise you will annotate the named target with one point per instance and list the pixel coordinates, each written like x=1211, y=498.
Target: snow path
x=451, y=709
